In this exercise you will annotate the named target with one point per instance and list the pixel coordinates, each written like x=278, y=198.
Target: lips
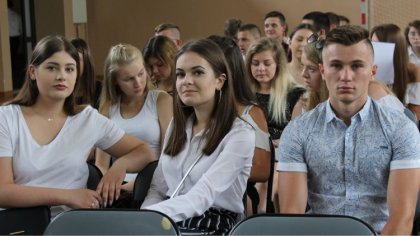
x=60, y=87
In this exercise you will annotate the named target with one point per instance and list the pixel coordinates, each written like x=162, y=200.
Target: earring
x=220, y=95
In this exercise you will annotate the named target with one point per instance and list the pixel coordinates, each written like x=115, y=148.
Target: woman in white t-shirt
x=127, y=100
x=45, y=138
x=207, y=137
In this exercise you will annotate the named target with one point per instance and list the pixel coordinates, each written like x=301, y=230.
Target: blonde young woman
x=317, y=90
x=276, y=91
x=128, y=102
x=45, y=138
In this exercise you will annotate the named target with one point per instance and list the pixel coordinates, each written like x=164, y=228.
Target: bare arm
x=13, y=195
x=260, y=170
x=133, y=155
x=102, y=160
x=403, y=187
x=297, y=109
x=165, y=113
x=293, y=192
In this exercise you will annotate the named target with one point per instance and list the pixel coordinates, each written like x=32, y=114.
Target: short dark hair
x=251, y=28
x=320, y=20
x=333, y=18
x=348, y=35
x=165, y=26
x=276, y=14
x=231, y=27
x=343, y=18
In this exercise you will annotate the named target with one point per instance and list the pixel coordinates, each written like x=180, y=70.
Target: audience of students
x=229, y=95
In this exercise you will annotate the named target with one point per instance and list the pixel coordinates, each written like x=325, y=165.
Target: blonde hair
x=282, y=82
x=119, y=55
x=313, y=98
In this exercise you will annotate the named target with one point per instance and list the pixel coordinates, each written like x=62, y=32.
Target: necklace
x=48, y=118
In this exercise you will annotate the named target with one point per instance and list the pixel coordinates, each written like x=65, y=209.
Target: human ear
x=374, y=70
x=321, y=70
x=220, y=81
x=31, y=72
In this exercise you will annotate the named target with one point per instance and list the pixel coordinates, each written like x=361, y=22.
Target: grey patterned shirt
x=348, y=166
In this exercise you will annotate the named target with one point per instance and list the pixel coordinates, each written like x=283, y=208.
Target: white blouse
x=218, y=180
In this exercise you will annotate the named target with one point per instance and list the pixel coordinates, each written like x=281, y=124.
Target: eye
x=69, y=69
x=198, y=72
x=255, y=63
x=356, y=66
x=180, y=74
x=336, y=65
x=51, y=68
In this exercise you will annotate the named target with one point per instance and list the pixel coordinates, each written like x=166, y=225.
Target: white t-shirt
x=218, y=180
x=413, y=58
x=144, y=126
x=62, y=162
x=413, y=93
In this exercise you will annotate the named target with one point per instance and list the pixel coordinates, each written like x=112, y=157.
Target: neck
x=265, y=88
x=346, y=111
x=165, y=85
x=133, y=100
x=416, y=50
x=202, y=115
x=47, y=109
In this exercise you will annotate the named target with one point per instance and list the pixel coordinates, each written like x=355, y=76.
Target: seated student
x=246, y=104
x=349, y=155
x=316, y=89
x=159, y=56
x=206, y=144
x=128, y=101
x=45, y=138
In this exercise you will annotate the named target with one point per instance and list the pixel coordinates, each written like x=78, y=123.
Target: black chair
x=282, y=224
x=112, y=222
x=24, y=221
x=252, y=192
x=142, y=183
x=95, y=176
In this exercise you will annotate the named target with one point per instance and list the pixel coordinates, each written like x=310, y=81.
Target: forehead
x=244, y=34
x=305, y=60
x=413, y=29
x=272, y=20
x=356, y=52
x=191, y=59
x=303, y=32
x=61, y=57
x=263, y=55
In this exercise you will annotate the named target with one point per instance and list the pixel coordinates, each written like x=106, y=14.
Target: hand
x=276, y=143
x=110, y=185
x=83, y=198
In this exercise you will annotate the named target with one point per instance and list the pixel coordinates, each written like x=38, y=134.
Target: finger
x=100, y=186
x=98, y=199
x=104, y=194
x=117, y=191
x=111, y=194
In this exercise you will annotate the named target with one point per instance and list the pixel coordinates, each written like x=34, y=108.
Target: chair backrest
x=142, y=182
x=95, y=176
x=112, y=222
x=270, y=204
x=282, y=224
x=24, y=221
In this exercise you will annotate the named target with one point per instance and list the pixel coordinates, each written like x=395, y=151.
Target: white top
x=15, y=26
x=413, y=93
x=144, y=125
x=392, y=102
x=62, y=162
x=218, y=180
x=413, y=58
x=261, y=137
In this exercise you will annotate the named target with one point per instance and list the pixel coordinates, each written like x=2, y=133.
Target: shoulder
x=376, y=90
x=240, y=124
x=162, y=96
x=391, y=120
x=9, y=110
x=257, y=114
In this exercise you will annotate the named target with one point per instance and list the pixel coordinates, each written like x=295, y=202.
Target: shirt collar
x=362, y=114
x=410, y=51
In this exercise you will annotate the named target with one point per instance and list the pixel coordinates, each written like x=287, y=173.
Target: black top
x=274, y=128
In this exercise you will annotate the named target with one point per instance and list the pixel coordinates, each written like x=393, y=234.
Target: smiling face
x=311, y=74
x=263, y=67
x=132, y=79
x=196, y=82
x=347, y=71
x=56, y=76
x=273, y=28
x=298, y=42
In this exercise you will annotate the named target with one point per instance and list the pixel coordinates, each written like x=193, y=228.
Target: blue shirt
x=348, y=166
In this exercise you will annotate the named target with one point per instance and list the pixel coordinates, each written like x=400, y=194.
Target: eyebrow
x=57, y=64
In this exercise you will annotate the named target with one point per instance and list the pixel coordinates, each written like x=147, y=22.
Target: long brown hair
x=393, y=34
x=44, y=49
x=224, y=111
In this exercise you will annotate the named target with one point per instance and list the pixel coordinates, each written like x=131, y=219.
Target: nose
x=61, y=75
x=155, y=70
x=137, y=81
x=187, y=80
x=346, y=74
x=304, y=72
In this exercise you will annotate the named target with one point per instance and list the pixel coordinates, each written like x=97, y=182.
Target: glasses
x=315, y=39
